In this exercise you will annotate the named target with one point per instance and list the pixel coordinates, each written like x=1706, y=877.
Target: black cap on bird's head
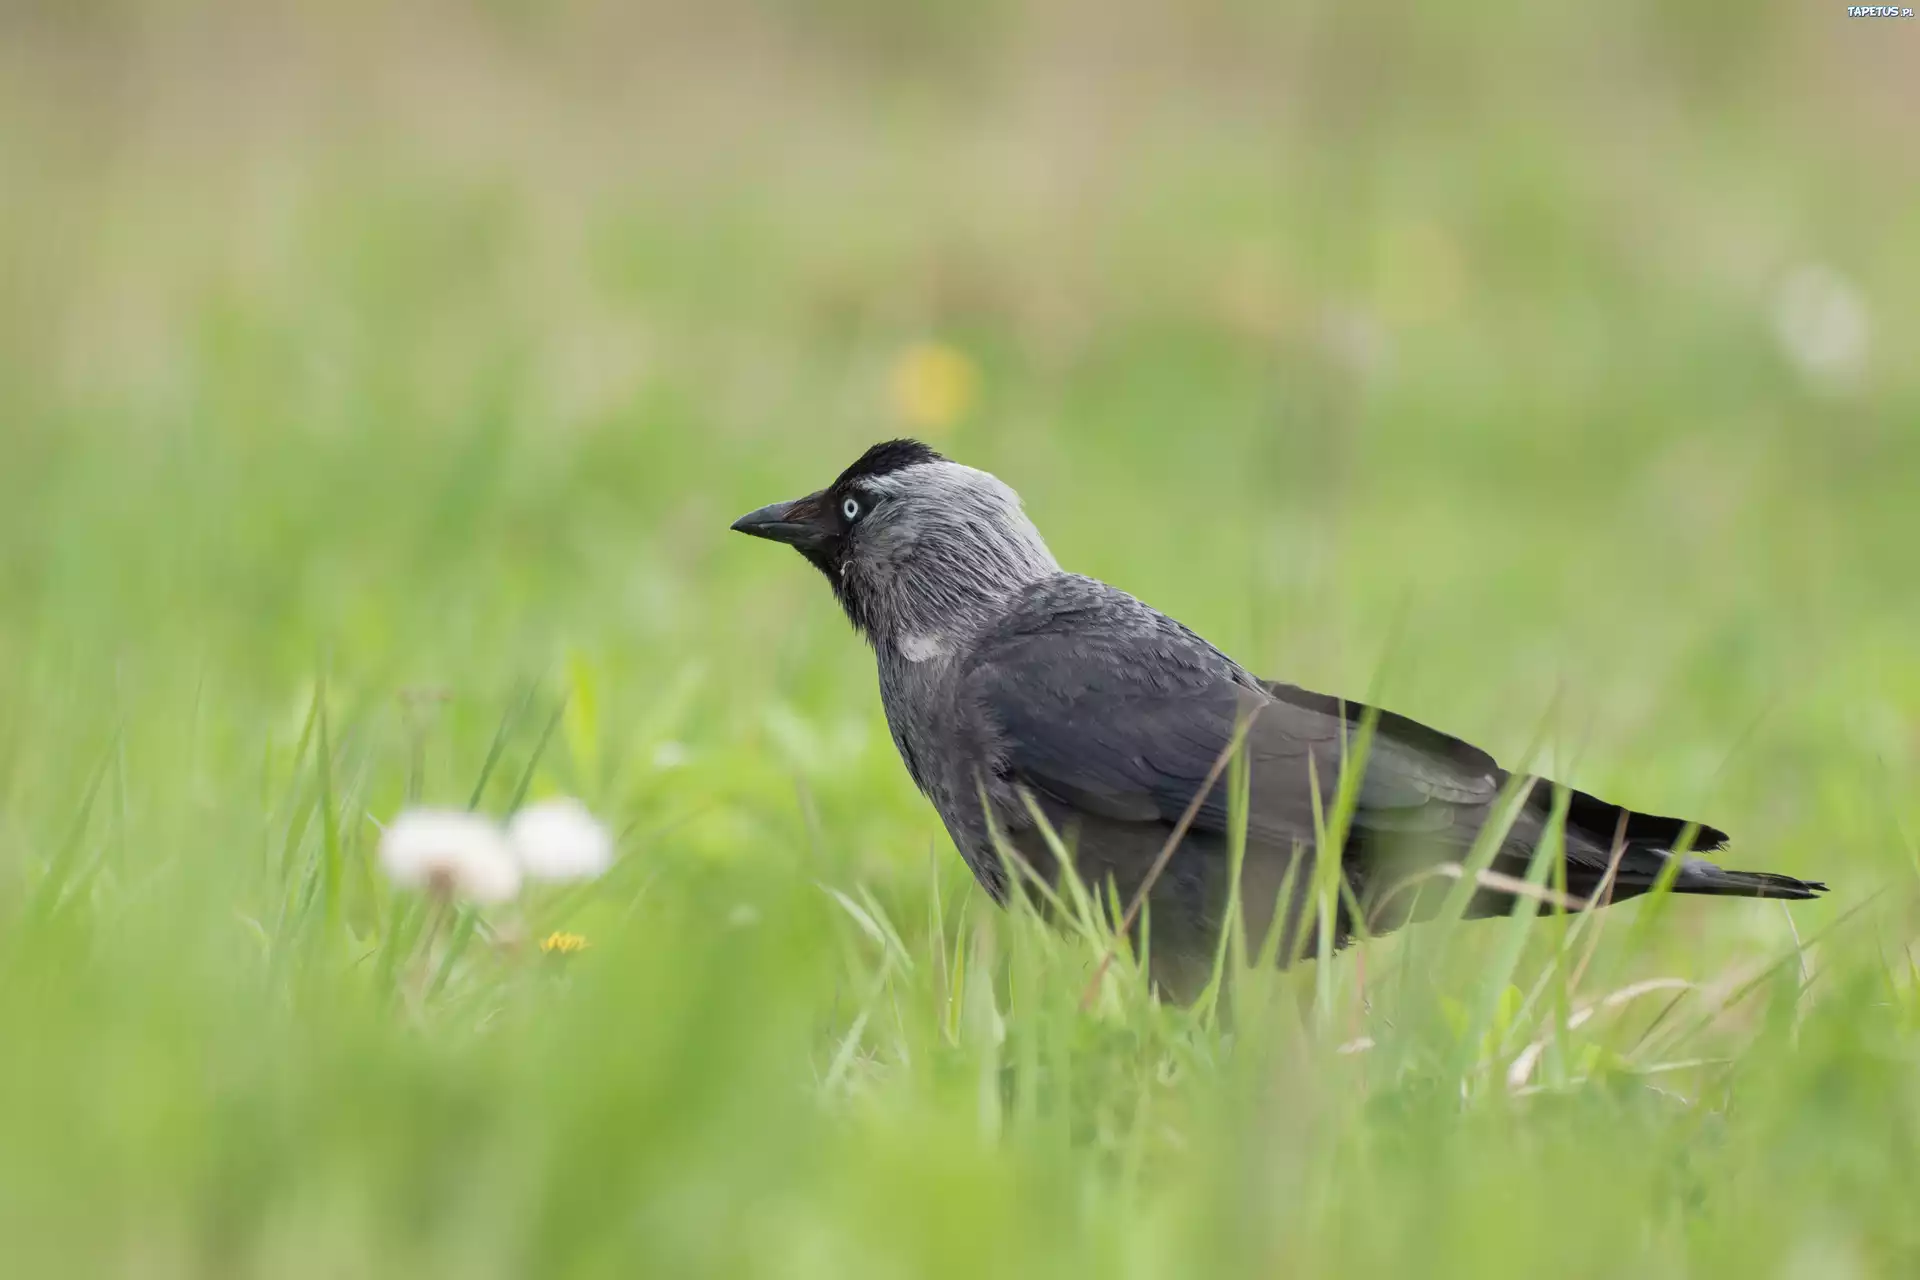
x=904, y=535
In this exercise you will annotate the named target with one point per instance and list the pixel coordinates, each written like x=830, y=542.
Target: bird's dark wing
x=1586, y=813
x=1116, y=711
x=1111, y=716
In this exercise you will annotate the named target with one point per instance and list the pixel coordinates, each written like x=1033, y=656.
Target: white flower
x=560, y=840
x=1822, y=325
x=450, y=852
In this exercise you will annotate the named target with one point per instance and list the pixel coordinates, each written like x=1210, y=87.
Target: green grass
x=372, y=407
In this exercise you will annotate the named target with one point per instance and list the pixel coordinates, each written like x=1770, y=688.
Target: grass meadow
x=377, y=385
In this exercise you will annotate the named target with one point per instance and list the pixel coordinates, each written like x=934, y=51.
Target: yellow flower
x=933, y=386
x=563, y=944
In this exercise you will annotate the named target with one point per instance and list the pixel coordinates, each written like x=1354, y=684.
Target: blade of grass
x=1084, y=914
x=1330, y=840
x=1174, y=838
x=525, y=783
x=1230, y=949
x=1548, y=851
x=501, y=733
x=465, y=924
x=330, y=856
x=52, y=886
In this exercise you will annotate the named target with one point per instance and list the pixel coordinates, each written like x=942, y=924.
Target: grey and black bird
x=1012, y=686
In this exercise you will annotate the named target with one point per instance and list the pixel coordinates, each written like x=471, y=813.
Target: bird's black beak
x=801, y=523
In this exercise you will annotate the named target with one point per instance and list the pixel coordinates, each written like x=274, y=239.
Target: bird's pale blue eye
x=850, y=509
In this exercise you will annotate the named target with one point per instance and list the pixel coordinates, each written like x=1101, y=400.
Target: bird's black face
x=825, y=526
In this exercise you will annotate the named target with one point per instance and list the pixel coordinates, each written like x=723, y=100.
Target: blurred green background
x=376, y=386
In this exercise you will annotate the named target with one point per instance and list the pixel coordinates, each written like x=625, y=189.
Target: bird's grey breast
x=917, y=693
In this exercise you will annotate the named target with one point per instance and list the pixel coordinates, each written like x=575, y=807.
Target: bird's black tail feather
x=1705, y=878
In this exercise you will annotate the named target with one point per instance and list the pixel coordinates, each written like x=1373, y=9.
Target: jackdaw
x=1013, y=688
